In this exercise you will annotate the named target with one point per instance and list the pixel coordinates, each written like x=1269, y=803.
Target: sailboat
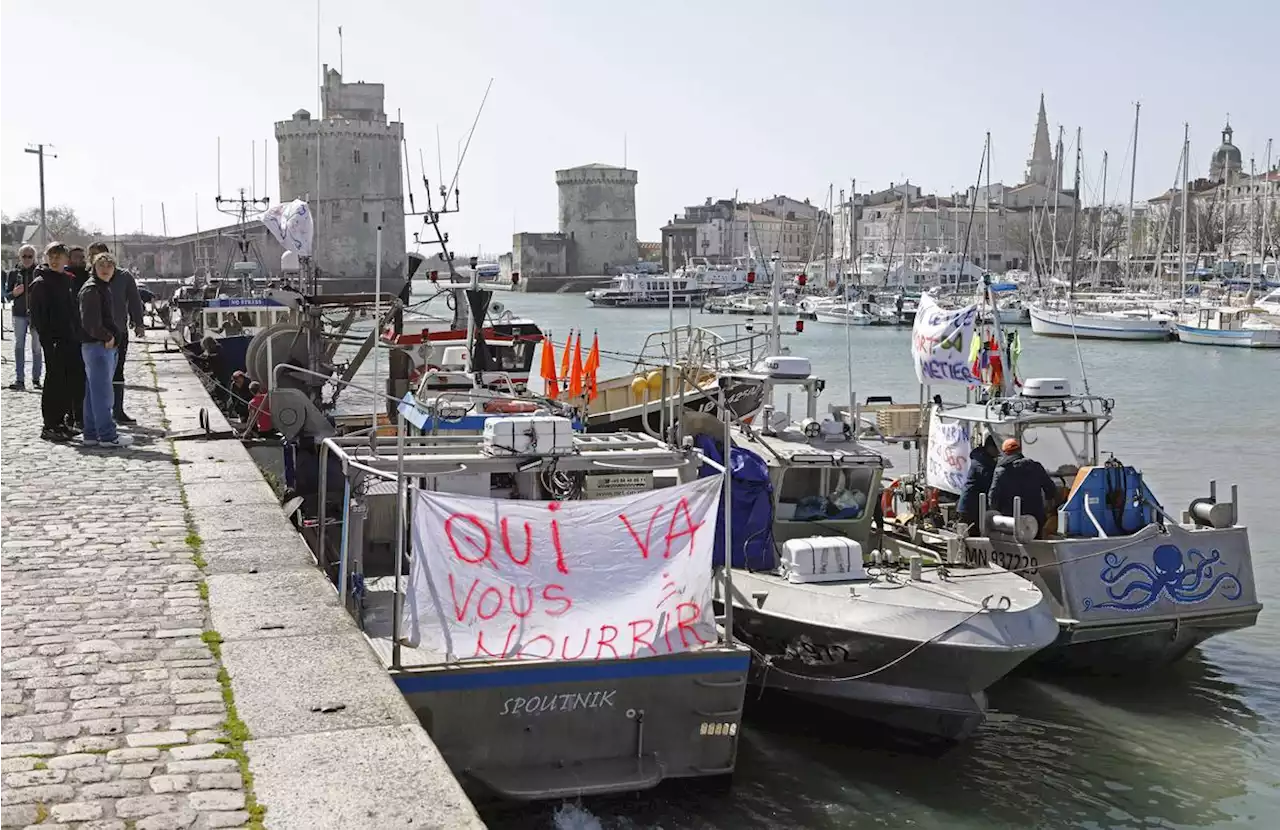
x=1098, y=317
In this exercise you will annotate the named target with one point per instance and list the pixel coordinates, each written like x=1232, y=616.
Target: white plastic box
x=528, y=435
x=822, y=559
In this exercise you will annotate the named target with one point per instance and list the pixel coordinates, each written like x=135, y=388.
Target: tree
x=63, y=224
x=1205, y=223
x=1103, y=231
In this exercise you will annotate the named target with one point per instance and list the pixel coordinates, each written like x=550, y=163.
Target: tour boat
x=649, y=291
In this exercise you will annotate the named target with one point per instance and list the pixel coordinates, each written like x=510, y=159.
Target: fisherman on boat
x=1017, y=476
x=982, y=467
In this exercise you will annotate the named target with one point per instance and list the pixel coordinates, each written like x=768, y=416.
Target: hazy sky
x=762, y=97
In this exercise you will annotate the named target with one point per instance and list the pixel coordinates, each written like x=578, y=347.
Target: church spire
x=1040, y=166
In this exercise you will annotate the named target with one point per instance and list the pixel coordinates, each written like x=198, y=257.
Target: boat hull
x=743, y=399
x=525, y=732
x=1094, y=327
x=823, y=316
x=1122, y=606
x=1240, y=339
x=914, y=669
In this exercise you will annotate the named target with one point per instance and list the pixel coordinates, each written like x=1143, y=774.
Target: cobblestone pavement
x=112, y=707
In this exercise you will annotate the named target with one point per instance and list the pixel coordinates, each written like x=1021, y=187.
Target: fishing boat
x=1245, y=328
x=678, y=371
x=831, y=620
x=536, y=677
x=1132, y=583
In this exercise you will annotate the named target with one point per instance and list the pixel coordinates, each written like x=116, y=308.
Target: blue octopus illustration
x=1169, y=575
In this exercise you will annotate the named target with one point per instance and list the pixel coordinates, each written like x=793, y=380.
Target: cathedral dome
x=1226, y=159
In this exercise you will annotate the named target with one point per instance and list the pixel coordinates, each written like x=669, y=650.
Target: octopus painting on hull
x=1195, y=577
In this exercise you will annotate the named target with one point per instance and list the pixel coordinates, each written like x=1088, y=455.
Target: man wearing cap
x=1017, y=476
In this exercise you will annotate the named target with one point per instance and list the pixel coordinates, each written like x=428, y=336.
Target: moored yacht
x=650, y=291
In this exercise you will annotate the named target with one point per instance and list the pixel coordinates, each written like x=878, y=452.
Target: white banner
x=292, y=225
x=947, y=458
x=576, y=580
x=940, y=343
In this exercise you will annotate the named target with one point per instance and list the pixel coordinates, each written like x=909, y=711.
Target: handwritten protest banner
x=940, y=343
x=947, y=458
x=578, y=580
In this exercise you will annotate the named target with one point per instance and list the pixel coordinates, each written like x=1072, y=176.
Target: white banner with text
x=947, y=458
x=940, y=344
x=575, y=580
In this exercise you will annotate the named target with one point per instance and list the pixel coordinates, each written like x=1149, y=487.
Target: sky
x=702, y=98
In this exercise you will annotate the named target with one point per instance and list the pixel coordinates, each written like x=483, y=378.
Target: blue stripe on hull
x=1105, y=333
x=1218, y=337
x=511, y=673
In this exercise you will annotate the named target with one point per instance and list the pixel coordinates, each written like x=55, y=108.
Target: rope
x=767, y=660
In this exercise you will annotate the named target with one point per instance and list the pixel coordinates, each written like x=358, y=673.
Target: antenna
x=253, y=169
x=219, y=166
x=340, y=65
x=439, y=162
x=462, y=155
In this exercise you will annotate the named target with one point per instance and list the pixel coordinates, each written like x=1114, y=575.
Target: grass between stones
x=235, y=731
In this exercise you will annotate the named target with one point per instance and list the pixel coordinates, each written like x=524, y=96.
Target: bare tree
x=63, y=224
x=1104, y=231
x=1205, y=221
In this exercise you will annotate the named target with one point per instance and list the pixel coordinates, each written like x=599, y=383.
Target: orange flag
x=575, y=375
x=549, y=366
x=592, y=364
x=564, y=357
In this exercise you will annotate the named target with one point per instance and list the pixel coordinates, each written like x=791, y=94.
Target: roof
x=597, y=166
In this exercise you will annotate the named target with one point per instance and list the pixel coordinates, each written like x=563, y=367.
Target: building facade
x=346, y=165
x=720, y=231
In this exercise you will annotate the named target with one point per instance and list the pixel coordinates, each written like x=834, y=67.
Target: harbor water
x=1193, y=746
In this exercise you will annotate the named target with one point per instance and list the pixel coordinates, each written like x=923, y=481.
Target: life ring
x=507, y=406
x=886, y=499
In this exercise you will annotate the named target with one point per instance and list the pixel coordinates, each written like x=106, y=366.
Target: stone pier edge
x=361, y=757
x=233, y=728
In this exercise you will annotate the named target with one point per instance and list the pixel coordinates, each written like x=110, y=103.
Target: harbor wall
x=333, y=744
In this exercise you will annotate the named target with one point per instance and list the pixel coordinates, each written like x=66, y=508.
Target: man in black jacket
x=126, y=304
x=53, y=312
x=1017, y=475
x=16, y=285
x=982, y=467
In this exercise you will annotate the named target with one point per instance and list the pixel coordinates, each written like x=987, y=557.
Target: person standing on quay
x=53, y=313
x=16, y=286
x=126, y=307
x=99, y=351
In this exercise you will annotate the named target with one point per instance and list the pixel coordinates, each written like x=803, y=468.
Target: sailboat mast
x=1266, y=209
x=1075, y=224
x=1057, y=198
x=1182, y=243
x=856, y=259
x=1102, y=217
x=1133, y=179
x=986, y=215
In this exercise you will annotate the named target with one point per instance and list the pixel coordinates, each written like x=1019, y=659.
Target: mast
x=986, y=214
x=1075, y=226
x=853, y=223
x=1102, y=217
x=1266, y=209
x=1182, y=243
x=1057, y=197
x=1133, y=178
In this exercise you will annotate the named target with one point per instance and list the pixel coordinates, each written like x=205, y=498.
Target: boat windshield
x=815, y=493
x=1061, y=447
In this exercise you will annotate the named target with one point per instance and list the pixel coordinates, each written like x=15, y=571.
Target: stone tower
x=360, y=179
x=1225, y=164
x=1041, y=167
x=598, y=214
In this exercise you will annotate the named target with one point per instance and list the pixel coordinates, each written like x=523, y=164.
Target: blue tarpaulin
x=752, y=509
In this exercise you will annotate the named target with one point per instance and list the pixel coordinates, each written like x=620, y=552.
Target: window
x=355, y=156
x=366, y=217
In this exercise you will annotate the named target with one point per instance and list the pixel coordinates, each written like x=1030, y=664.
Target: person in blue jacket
x=982, y=468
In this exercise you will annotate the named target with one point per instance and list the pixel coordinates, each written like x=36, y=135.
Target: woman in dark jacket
x=982, y=467
x=97, y=321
